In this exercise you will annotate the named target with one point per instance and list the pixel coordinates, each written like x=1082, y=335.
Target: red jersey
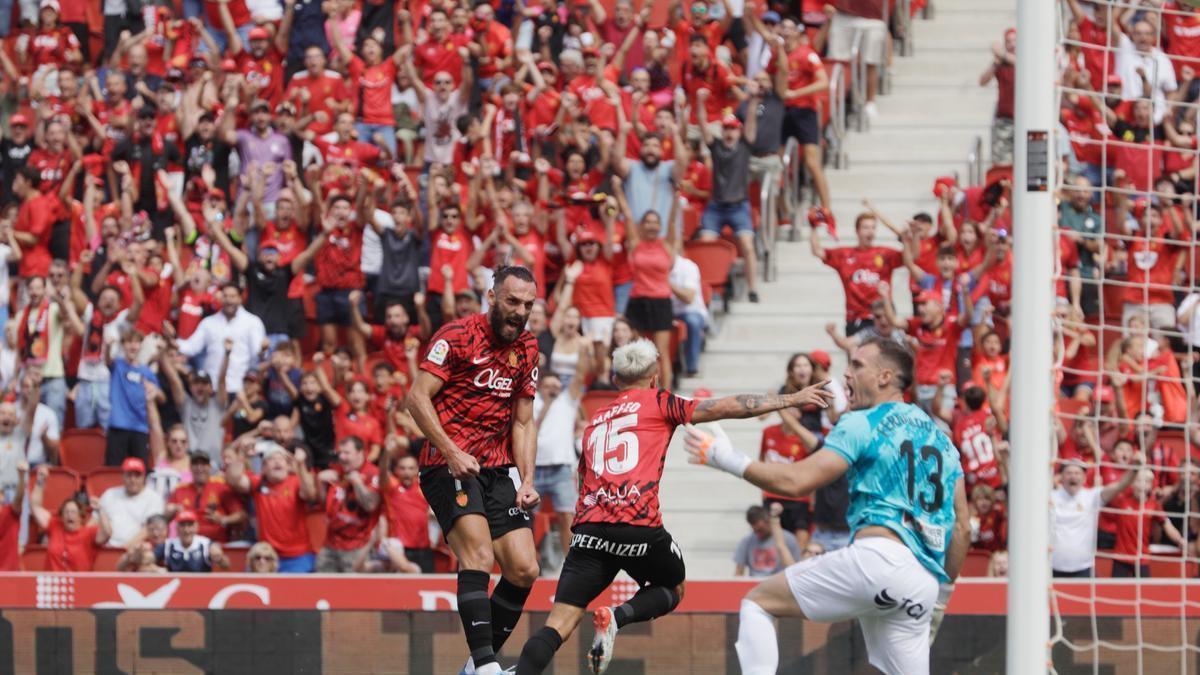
x=70, y=551
x=1135, y=521
x=35, y=216
x=193, y=307
x=237, y=10
x=973, y=437
x=780, y=447
x=216, y=498
x=803, y=65
x=718, y=80
x=49, y=47
x=497, y=45
x=372, y=87
x=10, y=527
x=350, y=525
x=1099, y=61
x=391, y=347
x=482, y=376
x=861, y=271
x=351, y=154
x=1083, y=123
x=53, y=167
x=451, y=249
x=1151, y=269
x=339, y=262
x=266, y=74
x=593, y=295
x=348, y=423
x=281, y=515
x=431, y=58
x=292, y=241
x=936, y=348
x=1181, y=35
x=407, y=513
x=624, y=452
x=993, y=531
x=323, y=88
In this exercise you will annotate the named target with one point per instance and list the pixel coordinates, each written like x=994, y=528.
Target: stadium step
x=925, y=129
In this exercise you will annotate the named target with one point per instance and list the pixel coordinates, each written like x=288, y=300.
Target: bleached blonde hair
x=635, y=360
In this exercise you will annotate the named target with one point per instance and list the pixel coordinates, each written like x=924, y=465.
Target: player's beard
x=506, y=329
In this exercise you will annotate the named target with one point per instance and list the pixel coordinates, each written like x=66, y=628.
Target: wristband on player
x=715, y=450
x=944, y=593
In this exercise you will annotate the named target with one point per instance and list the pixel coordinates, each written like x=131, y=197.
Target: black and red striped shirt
x=483, y=378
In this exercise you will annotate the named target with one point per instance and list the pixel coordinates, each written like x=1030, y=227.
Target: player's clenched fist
x=714, y=450
x=527, y=497
x=462, y=465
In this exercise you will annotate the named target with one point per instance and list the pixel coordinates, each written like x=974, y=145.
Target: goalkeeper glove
x=939, y=609
x=715, y=450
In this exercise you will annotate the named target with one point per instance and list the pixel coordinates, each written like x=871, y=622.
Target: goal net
x=1127, y=328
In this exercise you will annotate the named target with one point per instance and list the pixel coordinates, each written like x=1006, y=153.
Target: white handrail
x=975, y=163
x=837, y=114
x=858, y=67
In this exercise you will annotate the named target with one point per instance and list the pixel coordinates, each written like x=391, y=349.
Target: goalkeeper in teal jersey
x=908, y=518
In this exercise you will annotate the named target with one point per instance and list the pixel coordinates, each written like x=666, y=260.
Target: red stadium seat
x=61, y=485
x=34, y=558
x=316, y=529
x=444, y=561
x=691, y=222
x=678, y=337
x=99, y=480
x=715, y=260
x=83, y=449
x=976, y=564
x=596, y=399
x=107, y=559
x=237, y=558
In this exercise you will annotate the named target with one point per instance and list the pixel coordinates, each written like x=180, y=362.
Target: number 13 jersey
x=902, y=475
x=624, y=451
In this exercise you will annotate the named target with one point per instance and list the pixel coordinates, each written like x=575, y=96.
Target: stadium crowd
x=229, y=228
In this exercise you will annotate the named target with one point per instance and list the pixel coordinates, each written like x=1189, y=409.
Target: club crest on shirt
x=438, y=352
x=512, y=359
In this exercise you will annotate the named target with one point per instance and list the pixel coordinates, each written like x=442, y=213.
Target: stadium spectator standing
x=128, y=506
x=768, y=548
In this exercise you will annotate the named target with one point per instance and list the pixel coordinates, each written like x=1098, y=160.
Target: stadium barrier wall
x=113, y=623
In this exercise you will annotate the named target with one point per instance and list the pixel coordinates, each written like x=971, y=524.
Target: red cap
x=971, y=384
x=1139, y=208
x=929, y=296
x=134, y=465
x=942, y=184
x=584, y=235
x=216, y=192
x=229, y=66
x=18, y=120
x=731, y=122
x=590, y=51
x=186, y=516
x=543, y=65
x=268, y=243
x=259, y=33
x=1114, y=78
x=1011, y=32
x=821, y=358
x=1106, y=394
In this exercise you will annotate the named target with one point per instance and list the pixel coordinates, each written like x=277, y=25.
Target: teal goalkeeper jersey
x=902, y=475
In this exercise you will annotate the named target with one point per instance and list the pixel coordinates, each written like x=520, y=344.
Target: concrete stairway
x=925, y=129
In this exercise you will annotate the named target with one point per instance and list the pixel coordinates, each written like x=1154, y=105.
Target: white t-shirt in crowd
x=128, y=514
x=1075, y=520
x=556, y=434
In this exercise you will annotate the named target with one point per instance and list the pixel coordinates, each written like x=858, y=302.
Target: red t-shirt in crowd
x=936, y=348
x=281, y=515
x=49, y=47
x=348, y=423
x=780, y=447
x=265, y=73
x=451, y=249
x=593, y=295
x=372, y=91
x=483, y=378
x=237, y=9
x=216, y=497
x=1135, y=521
x=53, y=168
x=1181, y=35
x=70, y=551
x=339, y=262
x=861, y=271
x=1083, y=123
x=349, y=525
x=974, y=441
x=651, y=263
x=407, y=514
x=322, y=88
x=803, y=65
x=993, y=530
x=431, y=58
x=193, y=307
x=624, y=452
x=35, y=216
x=392, y=348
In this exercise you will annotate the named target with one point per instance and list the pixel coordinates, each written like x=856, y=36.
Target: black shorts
x=803, y=125
x=796, y=515
x=600, y=550
x=333, y=306
x=297, y=325
x=492, y=494
x=650, y=315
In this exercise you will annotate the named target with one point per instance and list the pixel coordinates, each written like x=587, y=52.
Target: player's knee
x=679, y=592
x=524, y=573
x=477, y=557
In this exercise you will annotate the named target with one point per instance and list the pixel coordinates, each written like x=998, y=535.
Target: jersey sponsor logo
x=865, y=276
x=438, y=352
x=594, y=543
x=480, y=360
x=517, y=512
x=886, y=603
x=617, y=495
x=490, y=378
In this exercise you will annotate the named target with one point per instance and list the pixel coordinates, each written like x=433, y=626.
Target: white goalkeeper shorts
x=879, y=582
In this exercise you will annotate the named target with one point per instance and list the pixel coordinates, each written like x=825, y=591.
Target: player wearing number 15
x=908, y=519
x=617, y=522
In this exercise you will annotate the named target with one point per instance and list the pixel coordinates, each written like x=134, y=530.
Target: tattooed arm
x=752, y=405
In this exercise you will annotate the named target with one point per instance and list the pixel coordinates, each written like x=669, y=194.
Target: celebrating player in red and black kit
x=473, y=399
x=617, y=523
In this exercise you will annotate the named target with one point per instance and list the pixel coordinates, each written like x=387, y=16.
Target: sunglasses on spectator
x=439, y=81
x=261, y=558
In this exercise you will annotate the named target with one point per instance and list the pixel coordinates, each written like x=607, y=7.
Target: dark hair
x=384, y=365
x=974, y=397
x=899, y=358
x=503, y=273
x=30, y=174
x=697, y=37
x=340, y=197
x=923, y=217
x=231, y=284
x=858, y=221
x=756, y=514
x=945, y=250
x=355, y=441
